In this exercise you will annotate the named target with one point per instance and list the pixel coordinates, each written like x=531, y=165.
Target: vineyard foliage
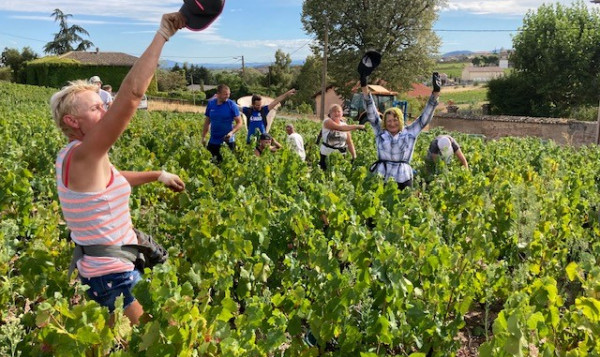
x=264, y=249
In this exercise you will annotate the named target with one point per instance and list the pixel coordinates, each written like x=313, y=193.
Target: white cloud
x=149, y=11
x=499, y=7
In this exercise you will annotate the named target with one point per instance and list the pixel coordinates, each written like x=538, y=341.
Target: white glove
x=170, y=23
x=172, y=181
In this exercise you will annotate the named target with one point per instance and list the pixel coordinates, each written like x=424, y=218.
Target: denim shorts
x=106, y=288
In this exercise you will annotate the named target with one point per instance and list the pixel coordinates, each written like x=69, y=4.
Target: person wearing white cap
x=442, y=147
x=104, y=95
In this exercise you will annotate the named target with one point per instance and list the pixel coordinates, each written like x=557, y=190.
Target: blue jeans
x=106, y=288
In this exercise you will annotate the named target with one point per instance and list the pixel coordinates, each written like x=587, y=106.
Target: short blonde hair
x=395, y=112
x=64, y=102
x=334, y=106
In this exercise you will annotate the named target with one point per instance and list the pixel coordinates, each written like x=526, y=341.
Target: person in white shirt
x=295, y=141
x=104, y=95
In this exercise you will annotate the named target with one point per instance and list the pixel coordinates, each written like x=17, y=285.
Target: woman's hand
x=170, y=23
x=172, y=181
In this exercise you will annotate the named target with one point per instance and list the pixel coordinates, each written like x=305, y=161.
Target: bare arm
x=331, y=125
x=205, y=129
x=280, y=98
x=104, y=134
x=238, y=125
x=136, y=178
x=90, y=166
x=462, y=158
x=350, y=144
x=276, y=144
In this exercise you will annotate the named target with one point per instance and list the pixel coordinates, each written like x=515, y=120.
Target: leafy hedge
x=56, y=72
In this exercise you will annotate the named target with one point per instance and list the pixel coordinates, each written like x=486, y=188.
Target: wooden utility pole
x=598, y=126
x=243, y=68
x=598, y=121
x=324, y=74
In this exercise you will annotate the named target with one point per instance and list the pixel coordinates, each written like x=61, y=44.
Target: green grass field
x=453, y=70
x=475, y=96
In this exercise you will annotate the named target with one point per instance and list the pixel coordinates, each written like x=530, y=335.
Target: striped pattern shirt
x=97, y=218
x=397, y=147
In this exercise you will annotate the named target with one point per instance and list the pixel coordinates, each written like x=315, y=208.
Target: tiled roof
x=102, y=58
x=418, y=90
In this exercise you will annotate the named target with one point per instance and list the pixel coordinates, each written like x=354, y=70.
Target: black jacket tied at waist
x=340, y=149
x=385, y=162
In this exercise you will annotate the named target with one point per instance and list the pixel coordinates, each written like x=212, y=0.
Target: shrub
x=585, y=113
x=5, y=74
x=305, y=108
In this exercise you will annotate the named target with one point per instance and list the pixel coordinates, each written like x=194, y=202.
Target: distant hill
x=457, y=53
x=167, y=64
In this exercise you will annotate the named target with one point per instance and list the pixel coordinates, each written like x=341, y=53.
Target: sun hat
x=445, y=146
x=199, y=14
x=95, y=79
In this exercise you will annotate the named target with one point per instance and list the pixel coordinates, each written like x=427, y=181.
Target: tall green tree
x=14, y=59
x=308, y=81
x=558, y=52
x=67, y=36
x=169, y=80
x=280, y=76
x=401, y=30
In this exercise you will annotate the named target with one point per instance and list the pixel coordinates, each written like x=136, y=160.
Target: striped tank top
x=97, y=218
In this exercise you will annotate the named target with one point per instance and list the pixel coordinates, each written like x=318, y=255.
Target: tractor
x=384, y=99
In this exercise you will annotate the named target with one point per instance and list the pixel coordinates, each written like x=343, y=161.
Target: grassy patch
x=474, y=96
x=453, y=70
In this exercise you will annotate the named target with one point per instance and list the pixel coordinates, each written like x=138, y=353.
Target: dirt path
x=460, y=88
x=174, y=107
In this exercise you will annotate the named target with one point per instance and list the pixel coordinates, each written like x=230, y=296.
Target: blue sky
x=253, y=29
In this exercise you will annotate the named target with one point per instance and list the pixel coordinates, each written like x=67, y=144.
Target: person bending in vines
x=395, y=143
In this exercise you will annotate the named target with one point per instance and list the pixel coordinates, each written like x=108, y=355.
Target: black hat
x=199, y=14
x=265, y=136
x=369, y=62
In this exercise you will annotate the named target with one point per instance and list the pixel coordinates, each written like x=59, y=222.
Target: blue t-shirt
x=256, y=120
x=221, y=119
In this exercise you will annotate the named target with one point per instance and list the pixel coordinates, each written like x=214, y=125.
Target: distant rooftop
x=101, y=58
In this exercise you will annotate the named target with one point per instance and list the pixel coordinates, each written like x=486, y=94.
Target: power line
x=22, y=37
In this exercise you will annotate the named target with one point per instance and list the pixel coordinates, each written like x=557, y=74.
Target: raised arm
x=281, y=98
x=366, y=66
x=371, y=112
x=425, y=118
x=105, y=133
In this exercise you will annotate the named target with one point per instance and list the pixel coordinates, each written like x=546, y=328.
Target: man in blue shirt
x=221, y=112
x=256, y=115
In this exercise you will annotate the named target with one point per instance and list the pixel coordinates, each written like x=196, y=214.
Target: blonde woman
x=395, y=142
x=93, y=194
x=335, y=135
